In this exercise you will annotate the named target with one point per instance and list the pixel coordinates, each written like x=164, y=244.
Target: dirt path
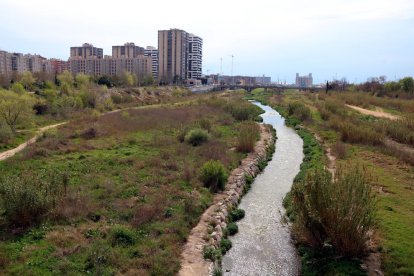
x=377, y=113
x=7, y=154
x=192, y=260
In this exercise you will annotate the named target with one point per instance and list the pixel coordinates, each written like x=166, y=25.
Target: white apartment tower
x=152, y=52
x=195, y=57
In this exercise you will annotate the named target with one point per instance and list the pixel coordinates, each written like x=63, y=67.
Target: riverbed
x=263, y=245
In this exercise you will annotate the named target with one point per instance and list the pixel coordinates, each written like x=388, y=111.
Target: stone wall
x=209, y=230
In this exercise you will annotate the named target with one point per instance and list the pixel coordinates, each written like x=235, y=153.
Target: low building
x=304, y=81
x=263, y=80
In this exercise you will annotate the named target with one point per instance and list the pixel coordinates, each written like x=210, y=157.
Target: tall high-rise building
x=304, y=81
x=152, y=52
x=87, y=51
x=172, y=55
x=128, y=50
x=195, y=57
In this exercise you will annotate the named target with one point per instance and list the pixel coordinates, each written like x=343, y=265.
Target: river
x=263, y=245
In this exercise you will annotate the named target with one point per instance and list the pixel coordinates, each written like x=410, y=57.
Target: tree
x=27, y=80
x=129, y=79
x=15, y=108
x=407, y=84
x=18, y=88
x=66, y=82
x=82, y=80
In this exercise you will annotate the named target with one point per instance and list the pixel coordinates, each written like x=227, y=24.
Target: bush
x=249, y=133
x=213, y=175
x=236, y=214
x=5, y=133
x=232, y=228
x=122, y=236
x=225, y=245
x=196, y=136
x=27, y=198
x=339, y=149
x=212, y=254
x=339, y=211
x=299, y=111
x=242, y=110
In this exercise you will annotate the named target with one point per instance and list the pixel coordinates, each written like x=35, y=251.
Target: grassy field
x=354, y=137
x=124, y=189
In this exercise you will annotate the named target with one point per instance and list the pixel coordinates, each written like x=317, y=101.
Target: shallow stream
x=263, y=245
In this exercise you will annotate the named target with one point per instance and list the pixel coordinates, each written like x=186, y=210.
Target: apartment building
x=195, y=57
x=127, y=58
x=86, y=51
x=152, y=52
x=3, y=62
x=304, y=81
x=34, y=63
x=128, y=50
x=263, y=80
x=172, y=55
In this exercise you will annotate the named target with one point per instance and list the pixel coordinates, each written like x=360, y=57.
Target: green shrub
x=213, y=175
x=249, y=133
x=122, y=236
x=242, y=110
x=196, y=136
x=299, y=111
x=212, y=254
x=232, y=228
x=217, y=271
x=236, y=214
x=205, y=124
x=339, y=211
x=5, y=133
x=27, y=198
x=225, y=245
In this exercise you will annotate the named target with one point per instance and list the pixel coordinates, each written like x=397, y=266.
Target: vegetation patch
x=130, y=195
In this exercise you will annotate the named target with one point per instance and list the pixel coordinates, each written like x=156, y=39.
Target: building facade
x=172, y=55
x=152, y=52
x=17, y=63
x=179, y=56
x=127, y=58
x=128, y=50
x=263, y=80
x=195, y=57
x=86, y=51
x=304, y=81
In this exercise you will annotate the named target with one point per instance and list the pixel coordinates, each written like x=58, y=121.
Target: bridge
x=250, y=87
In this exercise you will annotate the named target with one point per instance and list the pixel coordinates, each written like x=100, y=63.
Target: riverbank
x=209, y=230
x=119, y=192
x=367, y=144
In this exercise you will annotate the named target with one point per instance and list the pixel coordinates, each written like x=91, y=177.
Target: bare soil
x=7, y=154
x=377, y=113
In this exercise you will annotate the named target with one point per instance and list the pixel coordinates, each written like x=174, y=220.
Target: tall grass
x=249, y=133
x=27, y=198
x=299, y=111
x=338, y=211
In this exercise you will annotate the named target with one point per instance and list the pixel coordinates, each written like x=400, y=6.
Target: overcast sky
x=355, y=39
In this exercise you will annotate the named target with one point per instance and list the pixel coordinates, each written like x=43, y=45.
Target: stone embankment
x=209, y=230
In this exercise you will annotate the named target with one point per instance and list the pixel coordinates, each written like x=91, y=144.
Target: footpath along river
x=263, y=245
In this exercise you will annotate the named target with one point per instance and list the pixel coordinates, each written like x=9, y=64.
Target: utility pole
x=232, y=77
x=221, y=66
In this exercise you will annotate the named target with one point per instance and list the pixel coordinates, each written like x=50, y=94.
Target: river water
x=263, y=245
